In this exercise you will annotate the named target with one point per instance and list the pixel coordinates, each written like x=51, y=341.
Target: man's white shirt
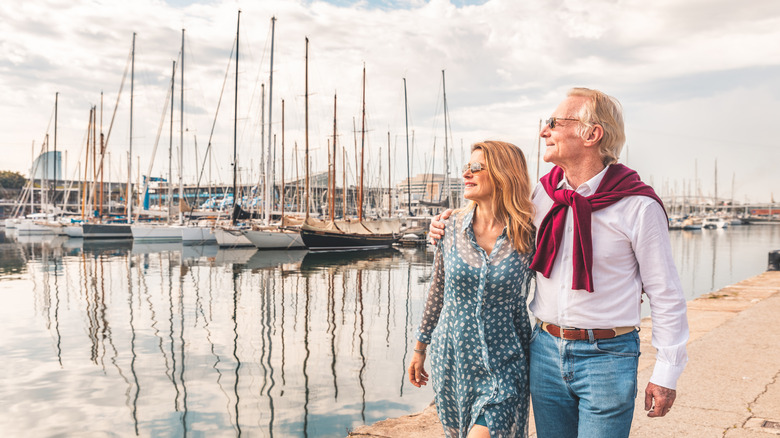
x=631, y=252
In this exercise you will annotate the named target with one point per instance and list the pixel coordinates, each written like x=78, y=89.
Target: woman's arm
x=417, y=374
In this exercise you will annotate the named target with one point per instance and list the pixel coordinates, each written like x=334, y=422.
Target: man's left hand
x=658, y=400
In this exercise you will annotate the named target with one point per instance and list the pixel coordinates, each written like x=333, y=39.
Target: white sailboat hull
x=73, y=230
x=30, y=227
x=274, y=239
x=197, y=235
x=156, y=233
x=231, y=238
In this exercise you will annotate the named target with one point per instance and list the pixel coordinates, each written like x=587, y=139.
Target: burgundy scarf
x=618, y=182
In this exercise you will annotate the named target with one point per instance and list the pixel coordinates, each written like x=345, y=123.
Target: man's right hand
x=436, y=230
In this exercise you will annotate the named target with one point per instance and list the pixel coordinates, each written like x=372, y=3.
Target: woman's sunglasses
x=473, y=167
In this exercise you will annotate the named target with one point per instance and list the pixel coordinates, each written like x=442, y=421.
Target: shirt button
x=570, y=228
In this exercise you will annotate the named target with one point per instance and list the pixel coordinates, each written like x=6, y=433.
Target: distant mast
x=332, y=171
x=269, y=183
x=281, y=196
x=408, y=161
x=181, y=133
x=129, y=198
x=170, y=147
x=446, y=146
x=56, y=103
x=362, y=148
x=235, y=130
x=306, y=113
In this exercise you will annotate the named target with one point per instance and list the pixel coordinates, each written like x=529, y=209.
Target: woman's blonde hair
x=602, y=109
x=508, y=171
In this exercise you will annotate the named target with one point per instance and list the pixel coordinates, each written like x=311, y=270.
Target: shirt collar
x=587, y=188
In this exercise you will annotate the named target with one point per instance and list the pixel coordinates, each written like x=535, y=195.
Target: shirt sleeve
x=662, y=285
x=435, y=300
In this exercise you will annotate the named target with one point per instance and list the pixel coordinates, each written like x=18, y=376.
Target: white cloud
x=507, y=65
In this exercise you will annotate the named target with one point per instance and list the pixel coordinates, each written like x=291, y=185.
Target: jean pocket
x=623, y=346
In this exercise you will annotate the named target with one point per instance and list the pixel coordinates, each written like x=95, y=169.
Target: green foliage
x=12, y=180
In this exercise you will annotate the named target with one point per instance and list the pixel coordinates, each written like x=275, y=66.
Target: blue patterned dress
x=476, y=322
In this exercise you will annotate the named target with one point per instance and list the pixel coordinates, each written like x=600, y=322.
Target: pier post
x=774, y=261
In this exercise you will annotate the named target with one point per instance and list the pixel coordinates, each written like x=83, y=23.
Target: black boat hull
x=329, y=241
x=107, y=231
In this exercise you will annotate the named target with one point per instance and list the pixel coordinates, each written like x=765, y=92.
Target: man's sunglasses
x=551, y=121
x=473, y=167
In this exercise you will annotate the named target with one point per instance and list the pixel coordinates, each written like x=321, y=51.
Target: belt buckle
x=572, y=336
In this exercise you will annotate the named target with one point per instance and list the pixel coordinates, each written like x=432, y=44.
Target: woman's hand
x=417, y=374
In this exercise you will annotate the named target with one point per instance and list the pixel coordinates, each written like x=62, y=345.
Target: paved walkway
x=730, y=387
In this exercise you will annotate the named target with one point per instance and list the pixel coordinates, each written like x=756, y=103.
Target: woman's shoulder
x=458, y=219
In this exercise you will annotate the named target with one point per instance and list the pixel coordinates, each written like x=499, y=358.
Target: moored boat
x=156, y=232
x=714, y=222
x=106, y=231
x=274, y=238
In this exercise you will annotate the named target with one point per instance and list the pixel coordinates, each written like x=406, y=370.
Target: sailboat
x=446, y=201
x=157, y=232
x=119, y=230
x=344, y=234
x=271, y=236
x=232, y=236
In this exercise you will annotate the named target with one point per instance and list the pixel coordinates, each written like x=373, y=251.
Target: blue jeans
x=583, y=389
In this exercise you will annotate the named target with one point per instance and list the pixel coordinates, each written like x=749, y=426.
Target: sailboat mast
x=362, y=148
x=332, y=180
x=344, y=182
x=94, y=163
x=170, y=147
x=181, y=130
x=269, y=182
x=235, y=127
x=281, y=192
x=389, y=189
x=446, y=146
x=86, y=164
x=102, y=159
x=129, y=197
x=306, y=112
x=262, y=147
x=56, y=161
x=408, y=161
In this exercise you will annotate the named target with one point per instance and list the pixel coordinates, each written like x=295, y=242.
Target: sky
x=699, y=82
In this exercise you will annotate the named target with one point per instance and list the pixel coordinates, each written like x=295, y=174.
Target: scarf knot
x=619, y=182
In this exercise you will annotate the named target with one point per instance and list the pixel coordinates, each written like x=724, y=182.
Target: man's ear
x=594, y=135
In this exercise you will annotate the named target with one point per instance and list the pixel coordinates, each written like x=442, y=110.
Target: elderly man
x=602, y=241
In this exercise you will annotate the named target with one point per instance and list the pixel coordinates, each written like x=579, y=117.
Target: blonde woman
x=475, y=319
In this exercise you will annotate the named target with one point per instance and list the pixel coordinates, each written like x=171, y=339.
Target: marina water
x=121, y=339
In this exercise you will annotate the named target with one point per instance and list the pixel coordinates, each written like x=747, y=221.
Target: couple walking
x=594, y=238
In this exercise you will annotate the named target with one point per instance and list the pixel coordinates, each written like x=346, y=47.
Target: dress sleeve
x=435, y=300
x=521, y=319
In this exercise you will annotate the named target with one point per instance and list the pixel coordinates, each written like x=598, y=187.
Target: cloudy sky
x=699, y=81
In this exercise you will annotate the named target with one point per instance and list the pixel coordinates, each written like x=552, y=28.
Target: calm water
x=121, y=339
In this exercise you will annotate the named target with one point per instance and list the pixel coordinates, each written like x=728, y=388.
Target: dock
x=730, y=387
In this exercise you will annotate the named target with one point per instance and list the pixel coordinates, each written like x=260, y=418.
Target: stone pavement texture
x=730, y=387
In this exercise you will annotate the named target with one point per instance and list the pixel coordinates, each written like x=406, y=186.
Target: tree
x=12, y=180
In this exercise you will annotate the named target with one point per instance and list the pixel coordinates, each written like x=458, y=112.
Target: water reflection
x=122, y=338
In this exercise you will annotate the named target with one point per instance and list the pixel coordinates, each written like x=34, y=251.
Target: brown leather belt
x=575, y=334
